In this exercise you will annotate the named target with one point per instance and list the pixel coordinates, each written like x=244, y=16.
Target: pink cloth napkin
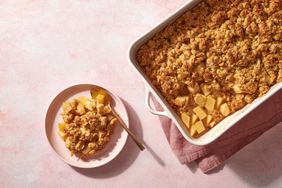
x=211, y=156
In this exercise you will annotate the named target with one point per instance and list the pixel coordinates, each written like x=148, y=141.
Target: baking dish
x=221, y=127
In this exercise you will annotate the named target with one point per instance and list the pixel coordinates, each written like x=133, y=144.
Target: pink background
x=46, y=46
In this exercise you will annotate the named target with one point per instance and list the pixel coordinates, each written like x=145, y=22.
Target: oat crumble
x=87, y=125
x=216, y=58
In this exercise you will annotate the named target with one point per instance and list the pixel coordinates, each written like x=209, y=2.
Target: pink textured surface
x=46, y=46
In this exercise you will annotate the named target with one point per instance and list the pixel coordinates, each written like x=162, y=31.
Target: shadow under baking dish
x=53, y=117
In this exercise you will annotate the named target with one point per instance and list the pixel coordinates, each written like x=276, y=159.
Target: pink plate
x=53, y=117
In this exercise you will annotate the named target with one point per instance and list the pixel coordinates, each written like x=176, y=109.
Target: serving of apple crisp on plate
x=215, y=59
x=87, y=125
x=81, y=127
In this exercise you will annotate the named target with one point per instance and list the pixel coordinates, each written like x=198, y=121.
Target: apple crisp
x=87, y=126
x=215, y=59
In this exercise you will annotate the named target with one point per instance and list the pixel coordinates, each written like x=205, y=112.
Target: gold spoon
x=97, y=90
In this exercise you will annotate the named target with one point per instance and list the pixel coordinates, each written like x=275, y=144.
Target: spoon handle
x=134, y=138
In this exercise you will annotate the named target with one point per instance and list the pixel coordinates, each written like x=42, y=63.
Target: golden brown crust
x=87, y=126
x=232, y=48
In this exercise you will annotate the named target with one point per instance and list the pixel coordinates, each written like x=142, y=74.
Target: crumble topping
x=216, y=58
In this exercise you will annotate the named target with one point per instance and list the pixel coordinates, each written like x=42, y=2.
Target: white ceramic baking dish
x=221, y=127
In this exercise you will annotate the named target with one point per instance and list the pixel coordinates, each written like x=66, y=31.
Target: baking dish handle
x=148, y=105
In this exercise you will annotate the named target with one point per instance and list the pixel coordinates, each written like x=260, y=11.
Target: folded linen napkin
x=244, y=132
